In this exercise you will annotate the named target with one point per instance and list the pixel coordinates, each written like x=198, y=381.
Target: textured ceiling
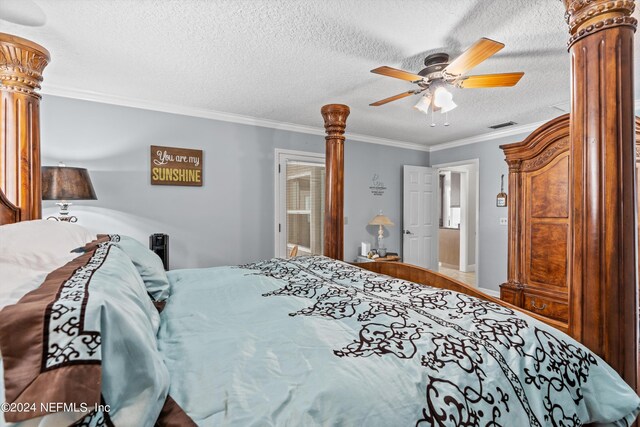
x=283, y=59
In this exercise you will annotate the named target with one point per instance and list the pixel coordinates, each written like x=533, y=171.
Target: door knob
x=407, y=232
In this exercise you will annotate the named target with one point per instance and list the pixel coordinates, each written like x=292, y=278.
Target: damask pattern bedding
x=312, y=341
x=83, y=347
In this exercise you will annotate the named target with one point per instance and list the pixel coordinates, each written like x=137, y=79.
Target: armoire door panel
x=548, y=190
x=548, y=251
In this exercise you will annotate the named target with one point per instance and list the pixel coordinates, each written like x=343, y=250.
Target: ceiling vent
x=502, y=125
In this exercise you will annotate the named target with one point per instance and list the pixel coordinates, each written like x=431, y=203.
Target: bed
x=103, y=337
x=302, y=341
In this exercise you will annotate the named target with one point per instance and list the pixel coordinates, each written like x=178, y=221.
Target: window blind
x=305, y=207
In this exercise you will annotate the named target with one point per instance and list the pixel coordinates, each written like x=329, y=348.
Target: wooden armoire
x=540, y=206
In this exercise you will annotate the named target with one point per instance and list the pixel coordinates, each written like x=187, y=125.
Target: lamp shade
x=423, y=103
x=65, y=183
x=444, y=99
x=380, y=220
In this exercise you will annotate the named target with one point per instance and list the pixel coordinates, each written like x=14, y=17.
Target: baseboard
x=491, y=292
x=471, y=267
x=449, y=266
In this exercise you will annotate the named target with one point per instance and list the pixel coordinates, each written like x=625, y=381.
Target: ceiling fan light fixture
x=450, y=106
x=423, y=103
x=444, y=100
x=441, y=72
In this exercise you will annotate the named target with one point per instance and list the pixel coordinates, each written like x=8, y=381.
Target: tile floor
x=468, y=278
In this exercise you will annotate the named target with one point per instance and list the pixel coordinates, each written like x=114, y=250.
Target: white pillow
x=17, y=280
x=41, y=244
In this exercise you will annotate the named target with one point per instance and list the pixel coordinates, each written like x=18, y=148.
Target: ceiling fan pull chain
x=433, y=123
x=446, y=119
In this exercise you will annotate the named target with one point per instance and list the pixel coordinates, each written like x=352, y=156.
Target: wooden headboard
x=9, y=213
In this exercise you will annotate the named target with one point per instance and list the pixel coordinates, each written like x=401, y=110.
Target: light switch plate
x=503, y=221
x=346, y=220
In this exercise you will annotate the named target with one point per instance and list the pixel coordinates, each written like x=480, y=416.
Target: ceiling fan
x=439, y=72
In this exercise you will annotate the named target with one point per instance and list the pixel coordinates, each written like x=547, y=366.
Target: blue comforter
x=311, y=341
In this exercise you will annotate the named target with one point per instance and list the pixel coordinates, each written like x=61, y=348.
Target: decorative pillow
x=86, y=337
x=41, y=244
x=148, y=264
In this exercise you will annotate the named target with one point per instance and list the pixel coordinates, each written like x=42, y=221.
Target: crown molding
x=516, y=130
x=384, y=141
x=218, y=115
x=273, y=124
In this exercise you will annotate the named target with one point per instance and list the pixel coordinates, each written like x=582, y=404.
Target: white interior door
x=420, y=218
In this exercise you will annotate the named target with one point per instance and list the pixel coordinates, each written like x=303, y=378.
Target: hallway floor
x=468, y=278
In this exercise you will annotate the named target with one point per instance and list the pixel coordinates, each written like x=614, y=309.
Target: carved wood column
x=604, y=300
x=335, y=122
x=21, y=66
x=515, y=250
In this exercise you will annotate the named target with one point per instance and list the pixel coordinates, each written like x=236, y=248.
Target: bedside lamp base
x=64, y=213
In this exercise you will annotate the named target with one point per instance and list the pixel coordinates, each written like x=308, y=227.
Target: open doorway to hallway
x=458, y=207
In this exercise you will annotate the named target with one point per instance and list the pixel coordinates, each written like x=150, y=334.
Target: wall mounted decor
x=176, y=166
x=377, y=186
x=501, y=198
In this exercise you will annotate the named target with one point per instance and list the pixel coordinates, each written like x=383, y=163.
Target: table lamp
x=380, y=220
x=65, y=183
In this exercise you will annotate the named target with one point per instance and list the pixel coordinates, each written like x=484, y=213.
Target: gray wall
x=230, y=219
x=491, y=263
x=362, y=161
x=492, y=259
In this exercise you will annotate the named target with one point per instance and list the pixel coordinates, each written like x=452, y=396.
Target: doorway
x=458, y=219
x=299, y=197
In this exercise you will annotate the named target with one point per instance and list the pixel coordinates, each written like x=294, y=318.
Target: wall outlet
x=503, y=221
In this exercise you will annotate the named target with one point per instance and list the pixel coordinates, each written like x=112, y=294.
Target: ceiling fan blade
x=392, y=98
x=481, y=50
x=398, y=74
x=489, y=80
